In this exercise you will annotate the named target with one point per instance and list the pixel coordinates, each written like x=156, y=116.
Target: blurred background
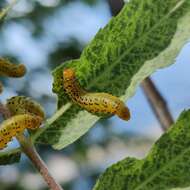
x=42, y=34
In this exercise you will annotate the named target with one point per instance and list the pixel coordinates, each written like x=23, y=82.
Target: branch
x=157, y=103
x=115, y=6
x=34, y=157
x=31, y=153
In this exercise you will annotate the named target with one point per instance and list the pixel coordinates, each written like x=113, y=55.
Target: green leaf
x=10, y=156
x=145, y=36
x=166, y=166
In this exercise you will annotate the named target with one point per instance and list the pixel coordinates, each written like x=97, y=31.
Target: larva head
x=16, y=71
x=3, y=143
x=11, y=70
x=16, y=125
x=124, y=113
x=68, y=74
x=20, y=71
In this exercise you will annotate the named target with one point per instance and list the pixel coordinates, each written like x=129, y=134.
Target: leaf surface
x=145, y=36
x=166, y=166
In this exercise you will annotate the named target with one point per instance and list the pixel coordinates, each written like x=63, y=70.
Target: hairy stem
x=32, y=154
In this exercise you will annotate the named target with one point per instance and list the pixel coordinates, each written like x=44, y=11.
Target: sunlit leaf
x=145, y=36
x=165, y=167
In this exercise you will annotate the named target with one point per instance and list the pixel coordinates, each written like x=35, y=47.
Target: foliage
x=145, y=36
x=117, y=60
x=166, y=166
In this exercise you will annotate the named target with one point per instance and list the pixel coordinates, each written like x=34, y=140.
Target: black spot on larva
x=101, y=101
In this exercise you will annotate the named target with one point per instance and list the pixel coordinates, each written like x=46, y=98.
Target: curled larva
x=11, y=70
x=21, y=104
x=93, y=102
x=17, y=124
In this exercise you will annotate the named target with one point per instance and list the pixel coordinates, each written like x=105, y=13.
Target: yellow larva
x=93, y=102
x=17, y=124
x=21, y=104
x=11, y=70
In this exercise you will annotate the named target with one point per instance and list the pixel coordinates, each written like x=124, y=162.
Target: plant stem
x=116, y=6
x=32, y=154
x=157, y=103
x=34, y=157
x=49, y=121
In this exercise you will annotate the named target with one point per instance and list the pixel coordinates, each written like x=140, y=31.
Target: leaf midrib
x=162, y=169
x=108, y=69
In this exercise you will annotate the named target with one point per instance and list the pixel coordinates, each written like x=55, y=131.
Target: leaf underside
x=145, y=36
x=166, y=166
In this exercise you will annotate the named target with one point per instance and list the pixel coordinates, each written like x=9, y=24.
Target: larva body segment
x=105, y=103
x=11, y=70
x=21, y=104
x=93, y=102
x=17, y=124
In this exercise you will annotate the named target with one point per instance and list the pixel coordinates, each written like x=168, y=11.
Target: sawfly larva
x=11, y=70
x=93, y=102
x=21, y=104
x=17, y=124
